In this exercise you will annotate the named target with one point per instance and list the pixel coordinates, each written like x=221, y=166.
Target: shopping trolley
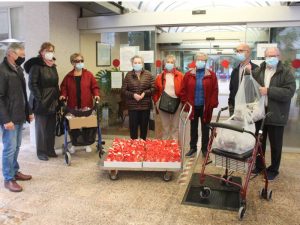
x=233, y=162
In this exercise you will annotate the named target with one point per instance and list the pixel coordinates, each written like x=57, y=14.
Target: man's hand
x=137, y=97
x=263, y=91
x=9, y=126
x=31, y=117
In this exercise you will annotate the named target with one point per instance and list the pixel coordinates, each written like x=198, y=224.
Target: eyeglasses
x=78, y=61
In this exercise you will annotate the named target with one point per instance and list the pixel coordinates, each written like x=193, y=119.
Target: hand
x=248, y=68
x=142, y=95
x=137, y=97
x=97, y=98
x=61, y=98
x=9, y=126
x=31, y=117
x=263, y=91
x=193, y=71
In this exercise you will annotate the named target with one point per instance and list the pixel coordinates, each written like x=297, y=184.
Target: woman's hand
x=61, y=98
x=142, y=95
x=137, y=97
x=97, y=98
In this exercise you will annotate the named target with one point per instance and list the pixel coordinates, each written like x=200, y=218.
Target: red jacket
x=210, y=87
x=89, y=89
x=159, y=87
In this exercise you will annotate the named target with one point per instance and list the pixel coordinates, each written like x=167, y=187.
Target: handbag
x=168, y=104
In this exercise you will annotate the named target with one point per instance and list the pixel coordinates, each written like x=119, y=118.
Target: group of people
x=198, y=87
x=78, y=88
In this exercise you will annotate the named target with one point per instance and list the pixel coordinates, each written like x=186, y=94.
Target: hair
x=198, y=54
x=74, y=56
x=172, y=57
x=272, y=48
x=137, y=57
x=15, y=46
x=46, y=45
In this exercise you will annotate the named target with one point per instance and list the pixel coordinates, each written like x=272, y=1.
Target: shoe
x=52, y=154
x=191, y=153
x=72, y=150
x=272, y=175
x=21, y=176
x=88, y=149
x=13, y=186
x=43, y=157
x=256, y=170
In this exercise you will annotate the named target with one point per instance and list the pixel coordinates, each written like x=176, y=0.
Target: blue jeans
x=11, y=140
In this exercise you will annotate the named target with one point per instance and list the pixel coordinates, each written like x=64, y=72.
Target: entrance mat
x=221, y=197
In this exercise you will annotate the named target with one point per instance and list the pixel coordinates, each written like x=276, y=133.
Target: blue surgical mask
x=240, y=57
x=79, y=66
x=200, y=64
x=272, y=61
x=169, y=66
x=137, y=67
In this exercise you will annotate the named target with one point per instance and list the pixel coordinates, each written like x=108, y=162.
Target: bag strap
x=162, y=80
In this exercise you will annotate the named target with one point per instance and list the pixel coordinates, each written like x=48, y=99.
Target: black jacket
x=234, y=85
x=43, y=85
x=280, y=92
x=14, y=105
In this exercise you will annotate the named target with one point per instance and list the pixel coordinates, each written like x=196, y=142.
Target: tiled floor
x=83, y=194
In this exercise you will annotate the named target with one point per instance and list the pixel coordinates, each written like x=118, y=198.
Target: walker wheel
x=167, y=177
x=113, y=175
x=266, y=194
x=68, y=158
x=205, y=192
x=269, y=195
x=242, y=211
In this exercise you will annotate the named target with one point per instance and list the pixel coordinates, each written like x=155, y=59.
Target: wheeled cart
x=166, y=167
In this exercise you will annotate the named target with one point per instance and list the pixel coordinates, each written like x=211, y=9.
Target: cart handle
x=183, y=108
x=230, y=127
x=220, y=111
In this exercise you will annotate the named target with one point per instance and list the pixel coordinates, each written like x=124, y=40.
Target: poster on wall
x=148, y=56
x=262, y=47
x=116, y=79
x=126, y=53
x=102, y=54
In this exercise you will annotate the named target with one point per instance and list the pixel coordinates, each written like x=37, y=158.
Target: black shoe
x=256, y=170
x=191, y=153
x=272, y=175
x=52, y=154
x=43, y=157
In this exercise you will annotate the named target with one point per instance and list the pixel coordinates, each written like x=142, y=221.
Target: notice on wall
x=126, y=53
x=116, y=79
x=148, y=56
x=262, y=47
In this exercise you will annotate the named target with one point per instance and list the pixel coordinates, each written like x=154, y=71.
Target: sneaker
x=191, y=153
x=72, y=149
x=88, y=149
x=272, y=175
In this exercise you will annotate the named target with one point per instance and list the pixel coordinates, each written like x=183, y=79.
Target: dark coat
x=14, y=105
x=234, y=85
x=43, y=85
x=210, y=88
x=281, y=89
x=89, y=88
x=131, y=85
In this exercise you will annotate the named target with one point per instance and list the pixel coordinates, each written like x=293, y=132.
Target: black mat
x=221, y=197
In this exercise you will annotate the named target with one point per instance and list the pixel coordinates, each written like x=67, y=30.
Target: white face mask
x=49, y=55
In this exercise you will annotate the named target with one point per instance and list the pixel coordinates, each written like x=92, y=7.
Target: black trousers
x=275, y=134
x=194, y=130
x=45, y=133
x=138, y=118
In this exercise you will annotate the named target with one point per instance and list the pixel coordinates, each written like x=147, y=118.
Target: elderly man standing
x=14, y=111
x=279, y=85
x=243, y=53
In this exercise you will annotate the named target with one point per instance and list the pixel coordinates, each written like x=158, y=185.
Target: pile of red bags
x=151, y=150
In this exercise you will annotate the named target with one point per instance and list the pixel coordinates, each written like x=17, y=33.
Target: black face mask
x=19, y=61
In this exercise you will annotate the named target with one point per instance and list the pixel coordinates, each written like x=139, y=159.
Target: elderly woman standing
x=79, y=87
x=44, y=93
x=169, y=82
x=138, y=87
x=200, y=89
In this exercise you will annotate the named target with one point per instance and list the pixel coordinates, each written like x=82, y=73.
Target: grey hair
x=172, y=57
x=272, y=48
x=198, y=54
x=15, y=46
x=137, y=57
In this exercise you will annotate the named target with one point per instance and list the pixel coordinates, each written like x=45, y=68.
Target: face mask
x=137, y=67
x=19, y=61
x=169, y=66
x=272, y=61
x=49, y=55
x=200, y=64
x=79, y=66
x=240, y=57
